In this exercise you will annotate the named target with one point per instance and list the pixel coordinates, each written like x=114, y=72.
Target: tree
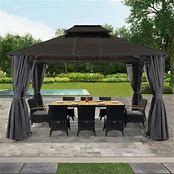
x=109, y=27
x=123, y=32
x=12, y=43
x=152, y=24
x=60, y=31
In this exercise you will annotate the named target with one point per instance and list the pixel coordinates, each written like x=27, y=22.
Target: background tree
x=11, y=43
x=60, y=31
x=152, y=24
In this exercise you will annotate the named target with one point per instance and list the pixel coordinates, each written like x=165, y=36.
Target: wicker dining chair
x=70, y=109
x=58, y=118
x=38, y=114
x=86, y=98
x=138, y=115
x=114, y=119
x=102, y=112
x=86, y=118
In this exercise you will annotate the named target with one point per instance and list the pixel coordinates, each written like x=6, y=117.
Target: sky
x=41, y=18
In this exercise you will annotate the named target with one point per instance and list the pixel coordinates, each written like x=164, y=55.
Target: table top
x=93, y=103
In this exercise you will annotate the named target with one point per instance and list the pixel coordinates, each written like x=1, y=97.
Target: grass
x=95, y=89
x=94, y=168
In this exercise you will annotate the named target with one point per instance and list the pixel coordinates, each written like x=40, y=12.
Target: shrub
x=119, y=77
x=6, y=80
x=145, y=89
x=62, y=79
x=84, y=77
x=2, y=74
x=144, y=78
x=167, y=77
x=49, y=80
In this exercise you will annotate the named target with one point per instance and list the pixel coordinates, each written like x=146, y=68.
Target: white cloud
x=17, y=24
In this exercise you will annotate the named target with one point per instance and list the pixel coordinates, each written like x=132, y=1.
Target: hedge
x=85, y=77
x=145, y=89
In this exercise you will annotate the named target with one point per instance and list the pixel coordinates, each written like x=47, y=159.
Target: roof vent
x=87, y=31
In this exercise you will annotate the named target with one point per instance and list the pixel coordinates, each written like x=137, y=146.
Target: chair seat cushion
x=37, y=113
x=134, y=113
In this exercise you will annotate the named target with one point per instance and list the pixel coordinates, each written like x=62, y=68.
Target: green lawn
x=95, y=89
x=94, y=168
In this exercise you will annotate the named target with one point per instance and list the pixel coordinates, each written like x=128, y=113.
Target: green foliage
x=116, y=78
x=95, y=67
x=60, y=31
x=2, y=74
x=5, y=80
x=145, y=89
x=109, y=27
x=11, y=43
x=85, y=77
x=152, y=24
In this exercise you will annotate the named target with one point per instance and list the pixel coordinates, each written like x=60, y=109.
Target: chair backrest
x=142, y=105
x=105, y=98
x=86, y=98
x=57, y=113
x=115, y=113
x=32, y=104
x=86, y=113
x=68, y=98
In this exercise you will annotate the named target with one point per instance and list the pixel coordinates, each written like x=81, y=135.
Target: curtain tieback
x=158, y=95
x=17, y=97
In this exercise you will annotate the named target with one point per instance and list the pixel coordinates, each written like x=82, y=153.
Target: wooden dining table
x=96, y=103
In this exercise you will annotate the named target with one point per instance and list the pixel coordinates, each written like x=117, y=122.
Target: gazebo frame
x=86, y=44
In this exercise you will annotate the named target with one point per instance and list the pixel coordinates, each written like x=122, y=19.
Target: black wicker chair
x=102, y=113
x=114, y=120
x=86, y=118
x=38, y=114
x=70, y=109
x=138, y=115
x=58, y=118
x=86, y=98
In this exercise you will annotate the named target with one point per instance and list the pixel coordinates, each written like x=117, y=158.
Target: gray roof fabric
x=87, y=28
x=92, y=48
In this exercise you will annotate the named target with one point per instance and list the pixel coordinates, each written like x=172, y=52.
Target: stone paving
x=133, y=144
x=52, y=168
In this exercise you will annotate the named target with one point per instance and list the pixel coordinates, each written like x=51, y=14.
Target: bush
x=49, y=80
x=145, y=89
x=167, y=77
x=84, y=77
x=62, y=79
x=144, y=78
x=6, y=80
x=119, y=77
x=2, y=74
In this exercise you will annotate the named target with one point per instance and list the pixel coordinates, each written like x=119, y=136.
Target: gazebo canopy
x=87, y=43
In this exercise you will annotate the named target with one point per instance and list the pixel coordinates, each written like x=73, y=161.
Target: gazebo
x=86, y=43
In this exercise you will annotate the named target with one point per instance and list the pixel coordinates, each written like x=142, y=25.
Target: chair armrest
x=38, y=107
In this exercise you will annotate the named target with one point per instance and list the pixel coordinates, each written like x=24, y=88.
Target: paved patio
x=133, y=144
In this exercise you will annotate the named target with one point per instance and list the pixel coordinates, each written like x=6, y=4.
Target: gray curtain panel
x=37, y=79
x=18, y=127
x=157, y=120
x=134, y=71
